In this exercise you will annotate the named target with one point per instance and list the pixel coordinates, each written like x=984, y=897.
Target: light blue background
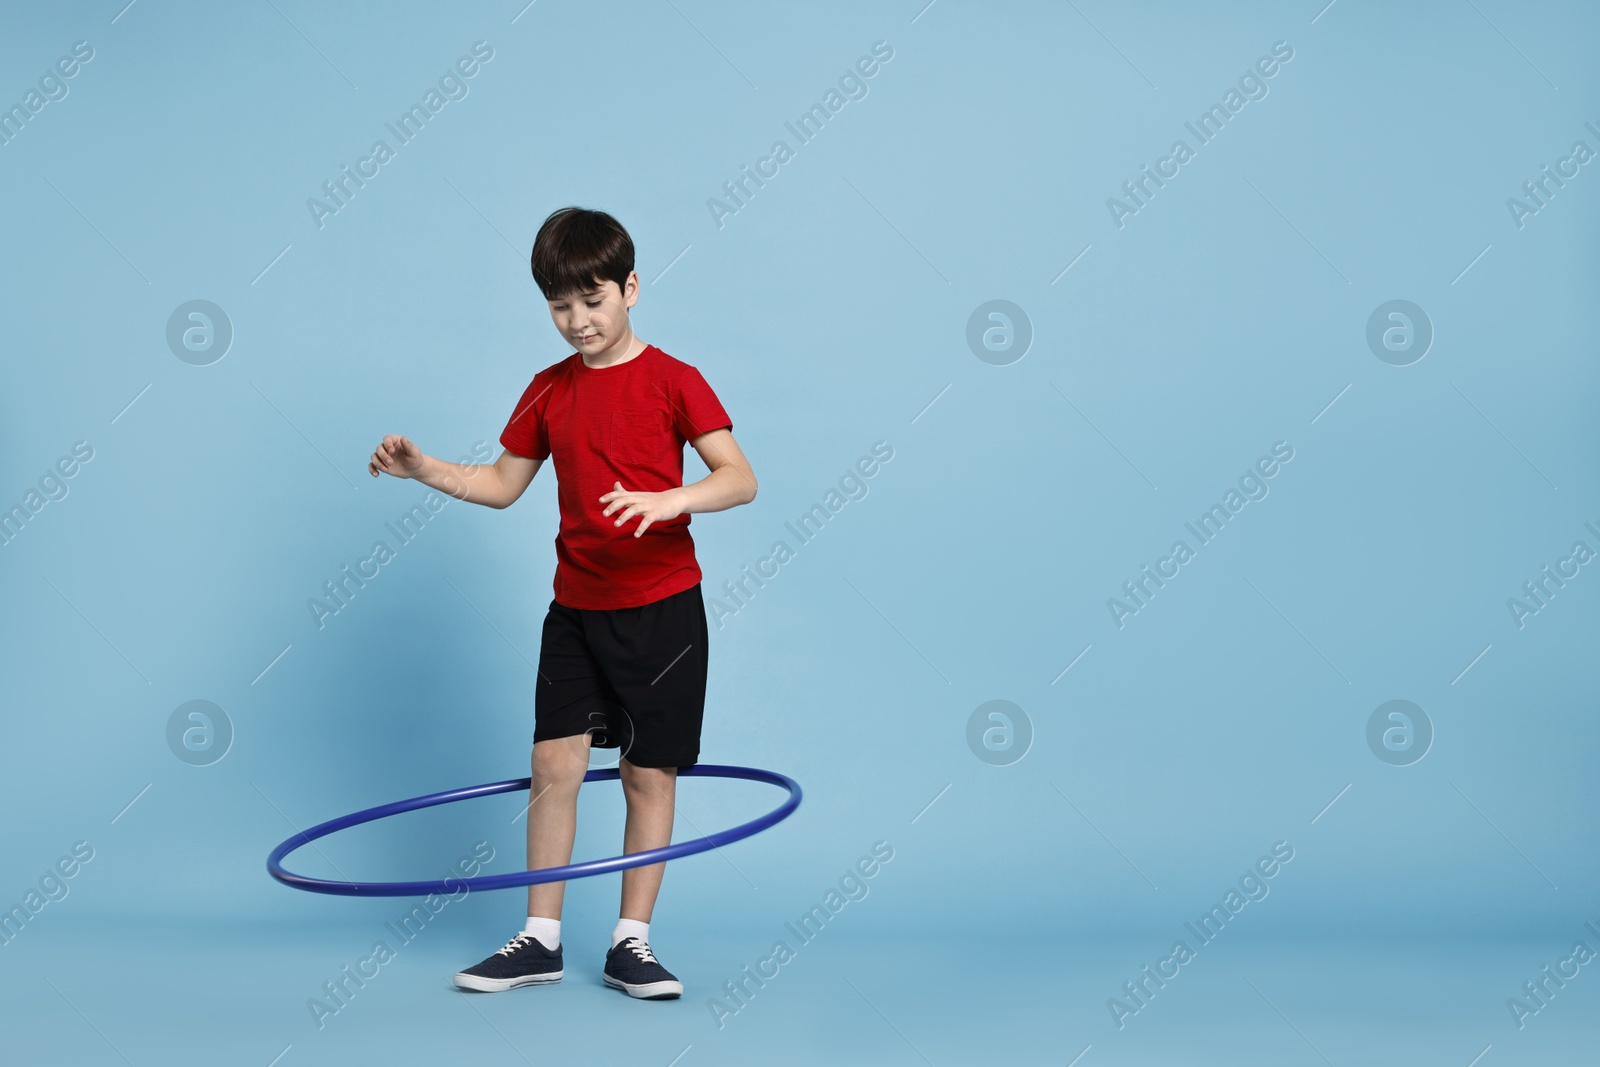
x=827, y=313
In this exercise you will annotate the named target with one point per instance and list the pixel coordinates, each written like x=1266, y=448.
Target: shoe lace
x=641, y=951
x=522, y=940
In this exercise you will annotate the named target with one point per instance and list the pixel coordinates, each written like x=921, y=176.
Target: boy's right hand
x=396, y=455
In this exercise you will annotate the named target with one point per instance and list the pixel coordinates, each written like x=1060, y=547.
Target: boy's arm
x=496, y=485
x=731, y=481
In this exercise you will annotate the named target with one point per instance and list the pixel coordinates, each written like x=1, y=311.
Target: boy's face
x=597, y=318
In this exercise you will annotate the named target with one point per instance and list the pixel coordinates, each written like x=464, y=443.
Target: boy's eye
x=592, y=303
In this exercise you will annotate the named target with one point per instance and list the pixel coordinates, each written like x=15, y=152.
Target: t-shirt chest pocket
x=640, y=437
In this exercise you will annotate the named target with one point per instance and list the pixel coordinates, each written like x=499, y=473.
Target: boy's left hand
x=649, y=507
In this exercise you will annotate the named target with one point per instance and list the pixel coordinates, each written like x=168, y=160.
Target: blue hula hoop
x=543, y=874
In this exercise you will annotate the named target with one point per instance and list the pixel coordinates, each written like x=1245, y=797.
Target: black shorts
x=631, y=678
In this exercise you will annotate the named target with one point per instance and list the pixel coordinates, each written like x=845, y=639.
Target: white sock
x=548, y=931
x=629, y=928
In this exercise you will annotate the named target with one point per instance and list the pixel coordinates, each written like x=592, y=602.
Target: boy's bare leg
x=559, y=765
x=650, y=793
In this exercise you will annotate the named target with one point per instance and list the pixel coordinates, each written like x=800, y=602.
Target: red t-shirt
x=627, y=422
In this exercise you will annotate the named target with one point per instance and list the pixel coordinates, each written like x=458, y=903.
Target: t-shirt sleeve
x=698, y=410
x=525, y=433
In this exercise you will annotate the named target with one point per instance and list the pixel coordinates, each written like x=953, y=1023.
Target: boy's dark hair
x=577, y=248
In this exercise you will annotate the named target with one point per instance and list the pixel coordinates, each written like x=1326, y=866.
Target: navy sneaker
x=634, y=969
x=523, y=961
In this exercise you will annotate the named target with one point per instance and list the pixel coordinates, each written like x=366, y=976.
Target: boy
x=622, y=658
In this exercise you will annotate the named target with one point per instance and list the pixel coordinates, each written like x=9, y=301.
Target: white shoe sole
x=499, y=985
x=647, y=990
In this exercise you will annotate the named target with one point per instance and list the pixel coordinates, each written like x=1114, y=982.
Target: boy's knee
x=647, y=780
x=559, y=763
